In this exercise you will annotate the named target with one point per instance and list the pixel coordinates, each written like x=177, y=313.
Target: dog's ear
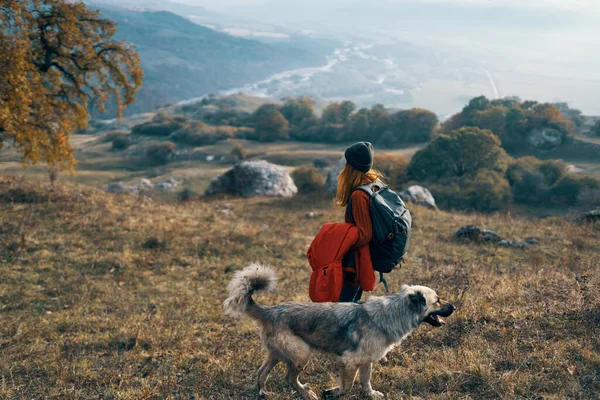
x=417, y=300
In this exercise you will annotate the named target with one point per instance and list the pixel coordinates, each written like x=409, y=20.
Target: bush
x=320, y=163
x=160, y=153
x=197, y=133
x=308, y=179
x=271, y=125
x=486, y=191
x=323, y=133
x=161, y=125
x=239, y=152
x=532, y=179
x=569, y=188
x=553, y=171
x=464, y=152
x=187, y=195
x=156, y=128
x=121, y=142
x=595, y=130
x=394, y=168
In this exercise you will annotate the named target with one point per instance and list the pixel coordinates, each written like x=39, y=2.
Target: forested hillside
x=182, y=60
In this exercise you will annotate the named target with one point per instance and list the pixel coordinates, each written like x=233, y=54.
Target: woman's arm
x=361, y=212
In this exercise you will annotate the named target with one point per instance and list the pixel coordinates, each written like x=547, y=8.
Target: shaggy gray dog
x=358, y=334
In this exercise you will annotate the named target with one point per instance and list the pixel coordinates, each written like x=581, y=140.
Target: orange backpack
x=325, y=257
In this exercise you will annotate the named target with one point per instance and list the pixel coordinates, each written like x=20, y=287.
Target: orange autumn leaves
x=58, y=59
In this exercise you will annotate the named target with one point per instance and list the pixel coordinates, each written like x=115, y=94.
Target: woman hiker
x=358, y=171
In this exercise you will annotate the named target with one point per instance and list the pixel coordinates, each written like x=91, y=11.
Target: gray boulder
x=418, y=195
x=168, y=184
x=589, y=217
x=477, y=234
x=121, y=188
x=545, y=138
x=332, y=176
x=254, y=179
x=517, y=244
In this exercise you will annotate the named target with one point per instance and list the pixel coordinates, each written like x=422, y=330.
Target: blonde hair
x=350, y=178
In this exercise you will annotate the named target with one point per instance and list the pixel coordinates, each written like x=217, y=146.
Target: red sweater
x=361, y=212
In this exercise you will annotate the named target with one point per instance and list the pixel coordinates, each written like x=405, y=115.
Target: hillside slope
x=120, y=297
x=183, y=60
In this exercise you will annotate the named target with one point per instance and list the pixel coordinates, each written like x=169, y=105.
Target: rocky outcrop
x=517, y=244
x=332, y=176
x=254, y=179
x=477, y=234
x=589, y=217
x=144, y=185
x=545, y=138
x=418, y=195
x=120, y=187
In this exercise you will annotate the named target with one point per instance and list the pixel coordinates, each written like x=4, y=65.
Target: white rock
x=254, y=178
x=121, y=188
x=545, y=138
x=418, y=195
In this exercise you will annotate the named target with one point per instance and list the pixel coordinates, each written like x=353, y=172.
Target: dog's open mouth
x=435, y=318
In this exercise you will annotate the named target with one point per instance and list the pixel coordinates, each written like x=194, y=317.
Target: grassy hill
x=184, y=60
x=119, y=297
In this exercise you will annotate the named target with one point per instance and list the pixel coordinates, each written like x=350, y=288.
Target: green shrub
x=532, y=180
x=197, y=133
x=595, y=130
x=239, y=152
x=569, y=188
x=187, y=195
x=320, y=163
x=121, y=142
x=464, y=152
x=308, y=179
x=553, y=171
x=270, y=124
x=322, y=133
x=486, y=191
x=161, y=125
x=160, y=153
x=394, y=168
x=156, y=128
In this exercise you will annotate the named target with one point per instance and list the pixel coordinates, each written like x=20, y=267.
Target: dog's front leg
x=365, y=381
x=347, y=378
x=292, y=378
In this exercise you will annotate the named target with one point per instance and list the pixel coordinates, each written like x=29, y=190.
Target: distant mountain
x=183, y=60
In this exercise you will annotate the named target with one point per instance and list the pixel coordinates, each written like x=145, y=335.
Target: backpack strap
x=385, y=285
x=369, y=189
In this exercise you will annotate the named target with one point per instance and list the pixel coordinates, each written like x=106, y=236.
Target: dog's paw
x=333, y=393
x=374, y=394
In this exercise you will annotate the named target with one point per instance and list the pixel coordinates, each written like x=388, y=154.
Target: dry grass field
x=118, y=297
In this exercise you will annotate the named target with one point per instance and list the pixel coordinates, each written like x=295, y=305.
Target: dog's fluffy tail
x=253, y=278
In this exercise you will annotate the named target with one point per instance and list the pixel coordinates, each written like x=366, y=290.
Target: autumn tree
x=338, y=113
x=270, y=124
x=58, y=59
x=300, y=112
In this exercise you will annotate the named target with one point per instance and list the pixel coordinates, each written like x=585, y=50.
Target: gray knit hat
x=360, y=156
